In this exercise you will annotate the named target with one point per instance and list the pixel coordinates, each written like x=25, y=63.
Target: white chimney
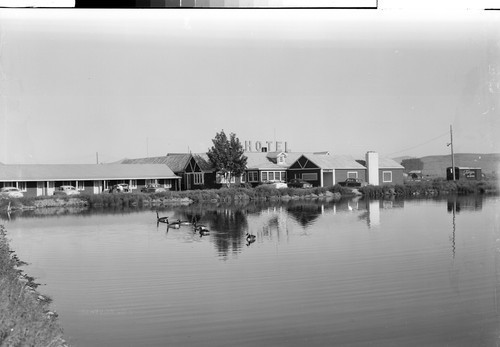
x=372, y=168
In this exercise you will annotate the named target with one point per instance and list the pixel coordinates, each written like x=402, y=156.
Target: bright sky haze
x=132, y=83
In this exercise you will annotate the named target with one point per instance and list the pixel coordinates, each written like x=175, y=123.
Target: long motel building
x=44, y=179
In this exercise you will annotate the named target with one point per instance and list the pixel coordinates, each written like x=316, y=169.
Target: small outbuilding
x=464, y=173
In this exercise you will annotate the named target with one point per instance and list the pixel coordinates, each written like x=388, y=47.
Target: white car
x=66, y=190
x=277, y=185
x=11, y=192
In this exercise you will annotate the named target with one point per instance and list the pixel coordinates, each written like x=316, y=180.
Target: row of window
x=253, y=176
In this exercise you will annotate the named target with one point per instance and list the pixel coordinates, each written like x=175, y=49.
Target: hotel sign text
x=279, y=146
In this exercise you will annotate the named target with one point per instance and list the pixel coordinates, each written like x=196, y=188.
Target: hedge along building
x=43, y=179
x=195, y=170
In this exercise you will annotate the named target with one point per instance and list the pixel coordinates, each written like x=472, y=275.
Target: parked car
x=153, y=188
x=277, y=185
x=120, y=188
x=11, y=192
x=66, y=190
x=297, y=183
x=353, y=182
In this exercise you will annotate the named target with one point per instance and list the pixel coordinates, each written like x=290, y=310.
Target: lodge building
x=195, y=170
x=186, y=171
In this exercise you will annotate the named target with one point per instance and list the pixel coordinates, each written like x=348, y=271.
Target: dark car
x=296, y=183
x=352, y=182
x=153, y=188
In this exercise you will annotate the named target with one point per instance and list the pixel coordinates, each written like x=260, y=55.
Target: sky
x=137, y=83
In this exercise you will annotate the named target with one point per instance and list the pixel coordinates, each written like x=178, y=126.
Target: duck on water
x=250, y=238
x=202, y=229
x=161, y=219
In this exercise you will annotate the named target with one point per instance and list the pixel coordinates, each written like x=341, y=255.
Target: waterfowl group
x=202, y=229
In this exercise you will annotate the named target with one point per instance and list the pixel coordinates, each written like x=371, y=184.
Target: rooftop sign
x=269, y=146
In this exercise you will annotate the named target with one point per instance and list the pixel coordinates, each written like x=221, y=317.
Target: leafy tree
x=412, y=164
x=227, y=156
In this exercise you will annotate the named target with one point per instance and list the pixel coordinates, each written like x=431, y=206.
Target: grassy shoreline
x=25, y=318
x=436, y=187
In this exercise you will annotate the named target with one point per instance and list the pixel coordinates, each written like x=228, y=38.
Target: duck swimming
x=199, y=227
x=250, y=238
x=173, y=225
x=161, y=219
x=204, y=232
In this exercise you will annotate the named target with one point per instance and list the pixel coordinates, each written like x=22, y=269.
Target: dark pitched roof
x=203, y=162
x=67, y=172
x=177, y=162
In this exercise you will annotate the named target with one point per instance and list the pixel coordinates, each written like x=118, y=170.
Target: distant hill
x=435, y=165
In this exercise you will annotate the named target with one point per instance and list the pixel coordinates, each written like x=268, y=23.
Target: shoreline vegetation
x=25, y=317
x=432, y=188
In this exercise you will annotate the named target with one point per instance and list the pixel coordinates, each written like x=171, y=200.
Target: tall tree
x=227, y=156
x=412, y=164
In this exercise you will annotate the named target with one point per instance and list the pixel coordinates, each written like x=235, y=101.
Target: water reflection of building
x=373, y=207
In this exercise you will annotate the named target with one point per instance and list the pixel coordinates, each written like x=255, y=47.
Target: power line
x=421, y=144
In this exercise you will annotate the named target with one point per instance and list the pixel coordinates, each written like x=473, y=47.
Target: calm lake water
x=354, y=273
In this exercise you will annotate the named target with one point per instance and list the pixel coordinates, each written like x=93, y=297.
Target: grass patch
x=25, y=319
x=435, y=187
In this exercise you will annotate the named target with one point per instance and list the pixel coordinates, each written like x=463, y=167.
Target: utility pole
x=452, y=155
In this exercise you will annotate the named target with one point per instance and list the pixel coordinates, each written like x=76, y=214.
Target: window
x=243, y=177
x=198, y=178
x=253, y=176
x=80, y=185
x=273, y=176
x=387, y=176
x=310, y=176
x=22, y=186
x=133, y=184
x=281, y=159
x=352, y=174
